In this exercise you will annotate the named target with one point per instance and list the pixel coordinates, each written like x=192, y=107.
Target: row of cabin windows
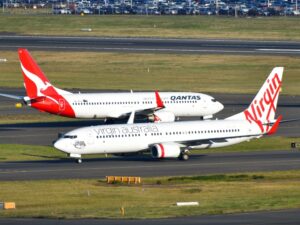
x=119, y=135
x=171, y=133
x=127, y=103
x=204, y=131
x=109, y=103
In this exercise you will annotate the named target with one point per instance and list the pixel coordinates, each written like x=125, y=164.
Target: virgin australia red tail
x=263, y=107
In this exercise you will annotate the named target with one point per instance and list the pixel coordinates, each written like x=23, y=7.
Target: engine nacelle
x=161, y=116
x=165, y=151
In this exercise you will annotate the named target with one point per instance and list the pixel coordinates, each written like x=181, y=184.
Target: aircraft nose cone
x=59, y=145
x=220, y=106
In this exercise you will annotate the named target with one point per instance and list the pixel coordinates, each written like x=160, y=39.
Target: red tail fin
x=35, y=81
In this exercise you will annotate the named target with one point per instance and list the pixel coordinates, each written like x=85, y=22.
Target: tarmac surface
x=150, y=45
x=145, y=166
x=283, y=217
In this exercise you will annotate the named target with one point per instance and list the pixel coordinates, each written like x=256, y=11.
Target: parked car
x=59, y=10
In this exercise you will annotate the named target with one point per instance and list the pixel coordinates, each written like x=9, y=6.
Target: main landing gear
x=79, y=161
x=184, y=156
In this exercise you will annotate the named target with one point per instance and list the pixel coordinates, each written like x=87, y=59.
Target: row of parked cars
x=166, y=7
x=180, y=10
x=181, y=7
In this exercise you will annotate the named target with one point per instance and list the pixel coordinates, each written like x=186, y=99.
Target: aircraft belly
x=115, y=146
x=186, y=110
x=90, y=113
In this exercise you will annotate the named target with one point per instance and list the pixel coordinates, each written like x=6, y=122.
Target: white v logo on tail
x=263, y=107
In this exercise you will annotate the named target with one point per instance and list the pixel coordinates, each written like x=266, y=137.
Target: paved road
x=150, y=45
x=283, y=217
x=145, y=166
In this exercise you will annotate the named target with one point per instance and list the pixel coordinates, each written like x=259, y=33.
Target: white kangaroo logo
x=40, y=85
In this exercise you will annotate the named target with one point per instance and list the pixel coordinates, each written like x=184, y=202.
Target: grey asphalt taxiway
x=150, y=45
x=281, y=217
x=145, y=166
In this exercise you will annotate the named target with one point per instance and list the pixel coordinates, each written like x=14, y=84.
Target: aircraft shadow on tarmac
x=136, y=158
x=75, y=123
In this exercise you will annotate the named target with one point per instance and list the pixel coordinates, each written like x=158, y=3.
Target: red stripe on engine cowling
x=162, y=150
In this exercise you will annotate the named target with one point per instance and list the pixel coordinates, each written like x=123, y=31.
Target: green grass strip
x=261, y=28
x=216, y=194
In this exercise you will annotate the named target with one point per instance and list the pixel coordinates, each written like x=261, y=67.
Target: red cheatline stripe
x=162, y=150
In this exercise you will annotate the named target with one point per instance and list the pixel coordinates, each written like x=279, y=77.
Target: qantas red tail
x=40, y=93
x=35, y=81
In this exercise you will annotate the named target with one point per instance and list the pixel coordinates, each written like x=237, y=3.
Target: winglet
x=275, y=126
x=159, y=102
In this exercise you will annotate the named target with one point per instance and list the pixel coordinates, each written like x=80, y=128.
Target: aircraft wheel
x=79, y=161
x=184, y=156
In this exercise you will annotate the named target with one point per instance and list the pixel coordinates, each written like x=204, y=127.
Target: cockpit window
x=70, y=136
x=213, y=100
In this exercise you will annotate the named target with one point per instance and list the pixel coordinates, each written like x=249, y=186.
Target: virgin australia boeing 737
x=158, y=107
x=174, y=140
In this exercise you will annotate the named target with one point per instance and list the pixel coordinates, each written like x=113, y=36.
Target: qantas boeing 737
x=174, y=140
x=158, y=107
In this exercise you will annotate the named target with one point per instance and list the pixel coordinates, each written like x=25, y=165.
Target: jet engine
x=162, y=116
x=165, y=151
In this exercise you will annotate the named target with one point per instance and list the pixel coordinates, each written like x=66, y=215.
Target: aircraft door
x=90, y=138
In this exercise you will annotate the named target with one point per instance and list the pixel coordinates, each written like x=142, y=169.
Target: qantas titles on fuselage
x=117, y=104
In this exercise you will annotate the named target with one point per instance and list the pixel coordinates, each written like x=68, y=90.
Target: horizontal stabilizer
x=275, y=126
x=12, y=96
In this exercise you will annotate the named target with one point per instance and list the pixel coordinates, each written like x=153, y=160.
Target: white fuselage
x=114, y=105
x=137, y=137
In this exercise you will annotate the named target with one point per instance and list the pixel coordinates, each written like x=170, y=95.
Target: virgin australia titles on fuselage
x=173, y=140
x=157, y=107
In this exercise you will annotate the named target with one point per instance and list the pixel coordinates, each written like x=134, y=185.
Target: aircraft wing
x=196, y=142
x=12, y=96
x=141, y=111
x=151, y=110
x=145, y=111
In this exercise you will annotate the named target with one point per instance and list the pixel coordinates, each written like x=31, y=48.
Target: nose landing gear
x=77, y=157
